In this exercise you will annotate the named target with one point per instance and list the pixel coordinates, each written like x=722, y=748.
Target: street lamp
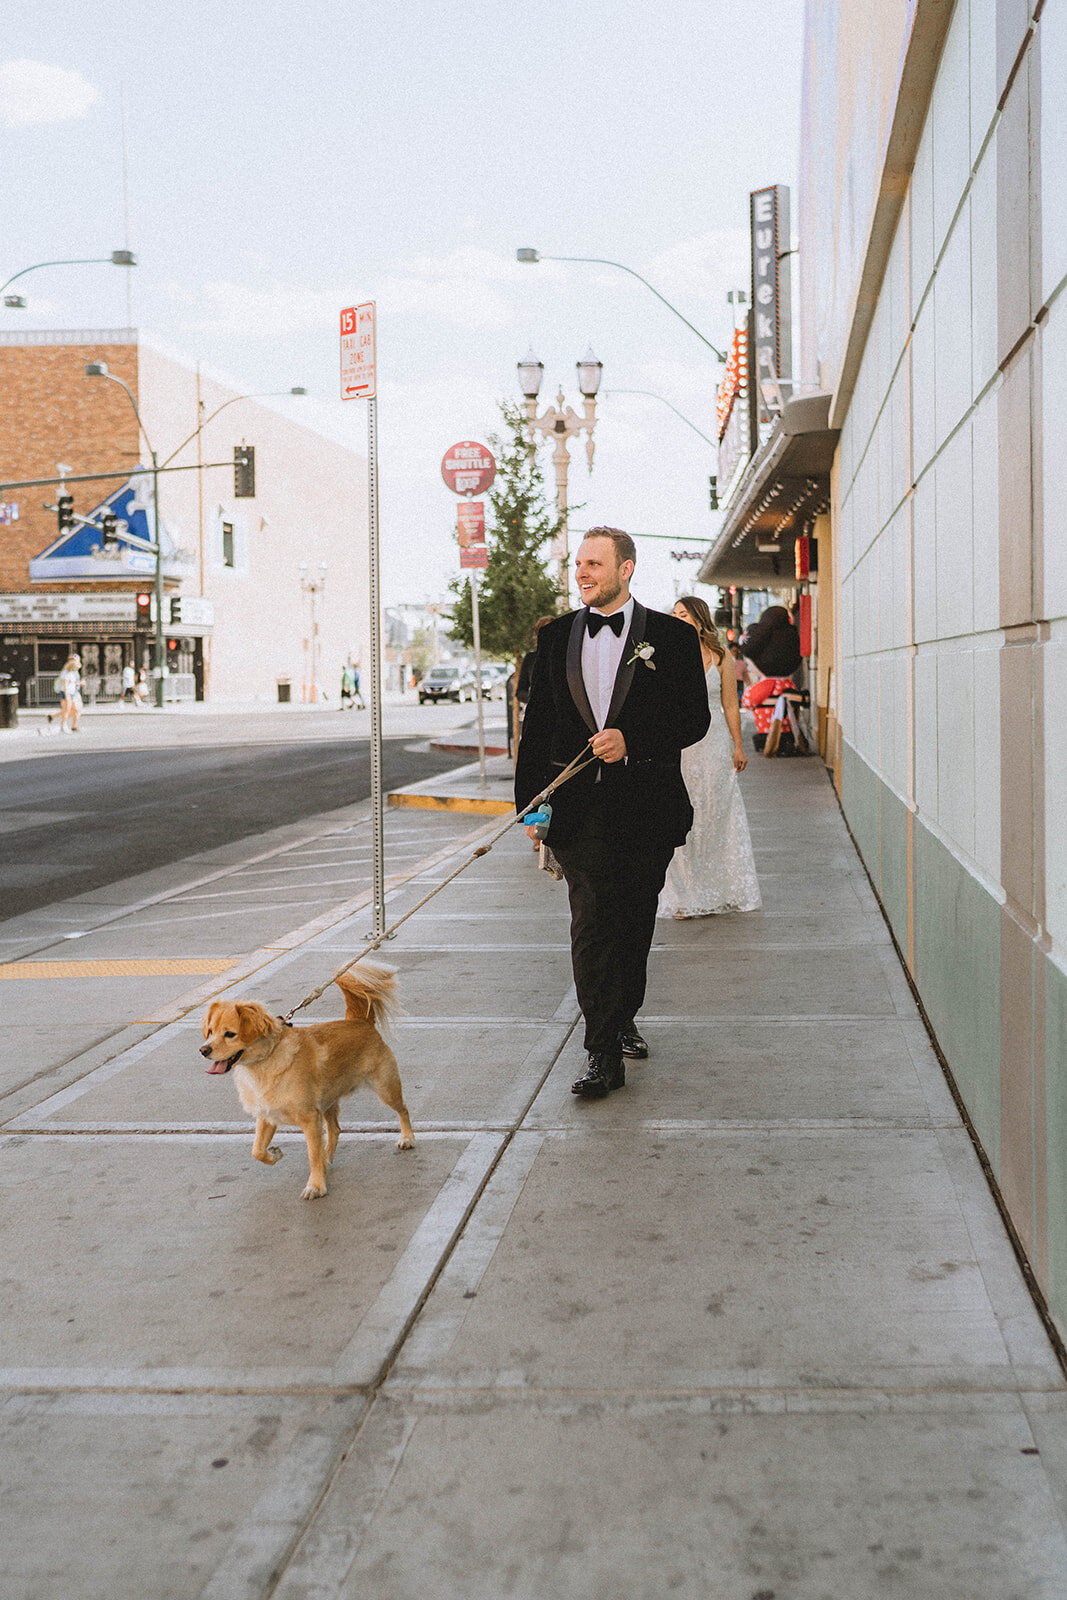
x=117, y=258
x=269, y=394
x=559, y=422
x=527, y=254
x=313, y=587
x=98, y=369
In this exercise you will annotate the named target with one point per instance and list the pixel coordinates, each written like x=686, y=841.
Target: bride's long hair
x=709, y=635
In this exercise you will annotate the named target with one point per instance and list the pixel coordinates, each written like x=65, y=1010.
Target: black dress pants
x=613, y=894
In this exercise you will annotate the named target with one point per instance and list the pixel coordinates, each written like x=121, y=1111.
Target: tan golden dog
x=297, y=1076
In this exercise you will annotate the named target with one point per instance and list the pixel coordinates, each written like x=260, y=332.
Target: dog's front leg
x=262, y=1148
x=312, y=1129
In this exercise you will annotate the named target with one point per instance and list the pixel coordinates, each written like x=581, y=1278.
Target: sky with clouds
x=286, y=161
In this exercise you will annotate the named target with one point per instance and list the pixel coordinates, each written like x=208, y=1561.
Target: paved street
x=80, y=821
x=133, y=790
x=750, y=1328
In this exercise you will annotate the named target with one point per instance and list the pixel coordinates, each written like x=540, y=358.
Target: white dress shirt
x=600, y=663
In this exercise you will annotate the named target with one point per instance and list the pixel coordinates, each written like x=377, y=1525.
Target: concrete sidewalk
x=751, y=1328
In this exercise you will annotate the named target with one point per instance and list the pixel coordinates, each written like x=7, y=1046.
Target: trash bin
x=284, y=693
x=9, y=702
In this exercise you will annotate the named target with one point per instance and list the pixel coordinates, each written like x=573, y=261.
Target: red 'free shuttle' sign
x=469, y=467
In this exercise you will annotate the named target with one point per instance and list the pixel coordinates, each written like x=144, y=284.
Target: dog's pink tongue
x=216, y=1066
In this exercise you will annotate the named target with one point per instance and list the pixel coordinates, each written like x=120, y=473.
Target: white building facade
x=266, y=596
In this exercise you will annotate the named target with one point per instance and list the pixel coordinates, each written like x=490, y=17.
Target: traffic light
x=713, y=493
x=144, y=610
x=65, y=512
x=175, y=609
x=244, y=472
x=109, y=529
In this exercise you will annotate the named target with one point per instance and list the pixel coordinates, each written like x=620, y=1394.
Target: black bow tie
x=595, y=621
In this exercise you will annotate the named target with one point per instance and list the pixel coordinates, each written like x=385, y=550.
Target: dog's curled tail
x=370, y=993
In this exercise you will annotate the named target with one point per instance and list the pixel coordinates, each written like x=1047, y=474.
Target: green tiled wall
x=956, y=938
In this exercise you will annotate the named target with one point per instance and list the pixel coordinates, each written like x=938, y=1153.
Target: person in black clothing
x=520, y=690
x=627, y=683
x=773, y=644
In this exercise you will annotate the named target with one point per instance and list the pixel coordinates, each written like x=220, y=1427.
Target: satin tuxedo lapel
x=575, y=681
x=625, y=675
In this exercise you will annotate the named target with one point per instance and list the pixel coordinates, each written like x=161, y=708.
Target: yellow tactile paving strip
x=111, y=969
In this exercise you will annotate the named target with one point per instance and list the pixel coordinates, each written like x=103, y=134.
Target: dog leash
x=581, y=760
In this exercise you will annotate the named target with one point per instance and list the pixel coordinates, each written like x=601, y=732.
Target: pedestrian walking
x=346, y=687
x=69, y=684
x=741, y=674
x=129, y=680
x=626, y=683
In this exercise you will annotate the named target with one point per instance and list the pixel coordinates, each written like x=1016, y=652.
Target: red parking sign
x=358, y=353
x=470, y=521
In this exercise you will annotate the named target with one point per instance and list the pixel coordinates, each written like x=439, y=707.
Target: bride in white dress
x=714, y=870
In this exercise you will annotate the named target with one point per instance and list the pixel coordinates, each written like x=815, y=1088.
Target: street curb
x=468, y=749
x=472, y=804
x=461, y=790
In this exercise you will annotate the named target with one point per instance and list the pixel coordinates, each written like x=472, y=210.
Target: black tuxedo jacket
x=643, y=799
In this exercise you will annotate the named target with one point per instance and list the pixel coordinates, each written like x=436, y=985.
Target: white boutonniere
x=643, y=652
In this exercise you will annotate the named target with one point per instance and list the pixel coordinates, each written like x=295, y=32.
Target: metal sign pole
x=376, y=798
x=359, y=381
x=478, y=676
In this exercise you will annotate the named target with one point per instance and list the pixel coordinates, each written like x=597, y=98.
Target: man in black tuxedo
x=629, y=683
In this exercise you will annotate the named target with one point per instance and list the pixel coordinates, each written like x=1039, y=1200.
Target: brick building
x=264, y=597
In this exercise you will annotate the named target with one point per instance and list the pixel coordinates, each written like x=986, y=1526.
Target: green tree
x=516, y=588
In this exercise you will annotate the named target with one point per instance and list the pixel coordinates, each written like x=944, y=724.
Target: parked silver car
x=447, y=683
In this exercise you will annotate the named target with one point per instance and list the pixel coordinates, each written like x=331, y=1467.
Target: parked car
x=446, y=683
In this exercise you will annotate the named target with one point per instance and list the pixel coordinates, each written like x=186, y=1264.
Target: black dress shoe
x=604, y=1073
x=631, y=1042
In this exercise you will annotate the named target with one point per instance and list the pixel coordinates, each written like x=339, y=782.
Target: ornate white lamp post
x=560, y=422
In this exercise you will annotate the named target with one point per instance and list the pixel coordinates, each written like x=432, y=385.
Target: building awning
x=78, y=553
x=785, y=486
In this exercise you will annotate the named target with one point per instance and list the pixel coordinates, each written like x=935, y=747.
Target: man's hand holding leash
x=609, y=745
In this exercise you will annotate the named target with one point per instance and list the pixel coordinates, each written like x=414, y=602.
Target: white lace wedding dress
x=714, y=870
